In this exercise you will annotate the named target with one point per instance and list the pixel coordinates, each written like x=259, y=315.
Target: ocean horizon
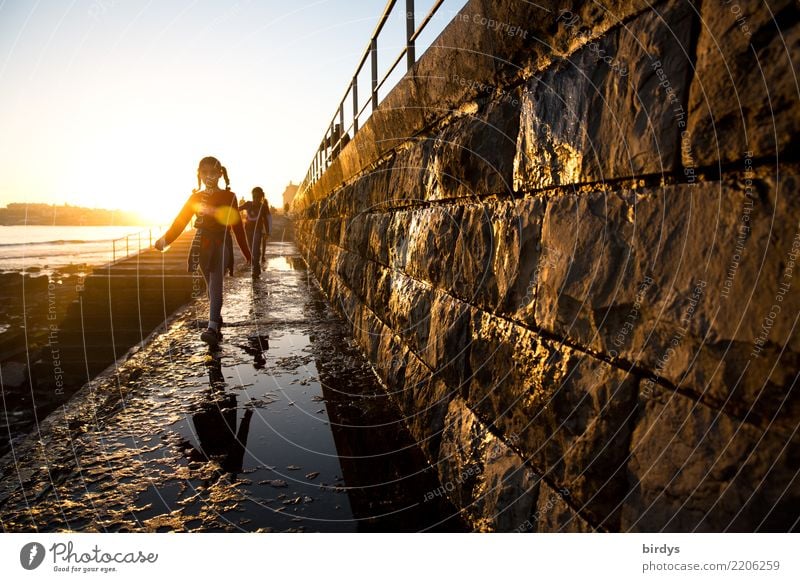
x=40, y=247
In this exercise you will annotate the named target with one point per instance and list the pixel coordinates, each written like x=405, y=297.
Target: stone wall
x=568, y=242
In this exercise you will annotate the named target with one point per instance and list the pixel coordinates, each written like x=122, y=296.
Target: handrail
x=127, y=238
x=336, y=136
x=427, y=19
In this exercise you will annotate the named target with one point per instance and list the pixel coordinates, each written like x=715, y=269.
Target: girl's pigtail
x=225, y=177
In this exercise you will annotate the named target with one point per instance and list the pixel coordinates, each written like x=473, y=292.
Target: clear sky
x=111, y=103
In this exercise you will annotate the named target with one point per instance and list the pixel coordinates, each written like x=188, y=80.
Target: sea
x=44, y=248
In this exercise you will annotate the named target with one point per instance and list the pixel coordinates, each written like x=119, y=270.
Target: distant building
x=288, y=194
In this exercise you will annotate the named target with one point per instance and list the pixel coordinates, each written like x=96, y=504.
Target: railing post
x=410, y=29
x=341, y=117
x=329, y=157
x=374, y=57
x=355, y=105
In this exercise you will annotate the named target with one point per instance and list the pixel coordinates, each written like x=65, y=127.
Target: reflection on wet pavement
x=284, y=428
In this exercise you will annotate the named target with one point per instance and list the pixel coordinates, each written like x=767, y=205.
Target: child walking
x=256, y=226
x=216, y=214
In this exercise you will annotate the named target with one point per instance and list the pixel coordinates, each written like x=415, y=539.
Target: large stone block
x=493, y=43
x=472, y=255
x=684, y=281
x=349, y=267
x=484, y=478
x=586, y=262
x=693, y=468
x=474, y=154
x=447, y=350
x=433, y=324
x=377, y=184
x=332, y=179
x=517, y=255
x=484, y=253
x=433, y=234
x=603, y=113
x=368, y=285
x=409, y=311
x=318, y=229
x=398, y=118
x=495, y=257
x=744, y=93
x=368, y=330
x=378, y=245
x=329, y=207
x=399, y=237
x=463, y=49
x=566, y=412
x=365, y=234
x=408, y=175
x=553, y=513
x=332, y=230
x=357, y=234
x=355, y=198
x=424, y=400
x=537, y=33
x=382, y=295
x=392, y=362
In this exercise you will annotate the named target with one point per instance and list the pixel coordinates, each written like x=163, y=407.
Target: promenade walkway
x=285, y=428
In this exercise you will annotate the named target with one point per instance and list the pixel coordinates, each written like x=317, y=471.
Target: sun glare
x=154, y=175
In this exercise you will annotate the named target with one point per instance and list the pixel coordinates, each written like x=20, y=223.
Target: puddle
x=283, y=263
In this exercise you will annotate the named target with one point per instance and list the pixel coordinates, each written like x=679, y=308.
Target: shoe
x=211, y=336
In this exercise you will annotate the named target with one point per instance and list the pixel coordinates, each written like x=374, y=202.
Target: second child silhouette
x=256, y=226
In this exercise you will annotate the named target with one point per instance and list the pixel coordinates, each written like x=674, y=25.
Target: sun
x=128, y=169
x=152, y=170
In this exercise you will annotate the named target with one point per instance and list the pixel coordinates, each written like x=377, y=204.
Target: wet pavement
x=283, y=428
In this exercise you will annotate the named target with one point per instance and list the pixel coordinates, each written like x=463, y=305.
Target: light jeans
x=214, y=275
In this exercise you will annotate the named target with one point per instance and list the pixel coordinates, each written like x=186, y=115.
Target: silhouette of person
x=217, y=214
x=256, y=346
x=256, y=225
x=215, y=426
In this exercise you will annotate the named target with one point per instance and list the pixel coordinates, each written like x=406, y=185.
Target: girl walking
x=256, y=225
x=216, y=214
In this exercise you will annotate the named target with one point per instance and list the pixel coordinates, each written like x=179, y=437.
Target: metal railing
x=336, y=135
x=125, y=242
